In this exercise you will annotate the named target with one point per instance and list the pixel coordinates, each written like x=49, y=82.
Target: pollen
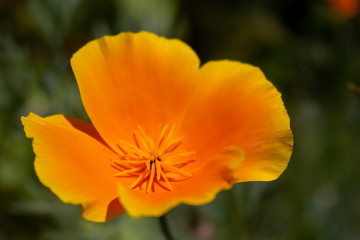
x=150, y=161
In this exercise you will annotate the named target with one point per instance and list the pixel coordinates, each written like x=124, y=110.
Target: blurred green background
x=308, y=49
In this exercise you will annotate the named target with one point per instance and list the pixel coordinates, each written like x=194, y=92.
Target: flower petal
x=72, y=160
x=134, y=79
x=236, y=105
x=200, y=189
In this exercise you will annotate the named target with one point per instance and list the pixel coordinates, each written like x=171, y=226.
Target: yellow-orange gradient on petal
x=69, y=157
x=164, y=131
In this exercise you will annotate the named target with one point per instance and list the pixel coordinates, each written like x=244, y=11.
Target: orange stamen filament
x=153, y=161
x=132, y=170
x=158, y=169
x=151, y=179
x=139, y=179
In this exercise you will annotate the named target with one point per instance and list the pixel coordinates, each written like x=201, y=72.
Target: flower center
x=153, y=161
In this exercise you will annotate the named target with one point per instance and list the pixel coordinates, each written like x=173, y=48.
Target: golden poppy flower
x=164, y=130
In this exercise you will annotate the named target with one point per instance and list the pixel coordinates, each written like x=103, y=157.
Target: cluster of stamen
x=153, y=161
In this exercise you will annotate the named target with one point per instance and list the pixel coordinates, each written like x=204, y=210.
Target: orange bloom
x=163, y=132
x=347, y=8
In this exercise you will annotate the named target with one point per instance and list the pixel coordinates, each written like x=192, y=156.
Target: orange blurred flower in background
x=346, y=8
x=164, y=130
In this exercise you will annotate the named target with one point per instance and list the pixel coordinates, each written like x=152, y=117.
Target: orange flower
x=347, y=8
x=163, y=132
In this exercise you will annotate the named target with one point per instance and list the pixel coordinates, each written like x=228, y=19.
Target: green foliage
x=308, y=52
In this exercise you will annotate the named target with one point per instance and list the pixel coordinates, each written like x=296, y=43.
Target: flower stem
x=165, y=228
